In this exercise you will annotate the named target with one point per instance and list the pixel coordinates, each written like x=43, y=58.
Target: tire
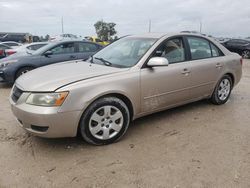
x=105, y=121
x=222, y=90
x=246, y=54
x=22, y=71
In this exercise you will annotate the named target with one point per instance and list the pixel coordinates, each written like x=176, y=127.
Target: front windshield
x=124, y=53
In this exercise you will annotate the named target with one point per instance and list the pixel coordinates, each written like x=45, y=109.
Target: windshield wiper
x=105, y=62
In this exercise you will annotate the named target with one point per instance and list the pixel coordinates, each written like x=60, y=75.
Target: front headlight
x=5, y=63
x=47, y=99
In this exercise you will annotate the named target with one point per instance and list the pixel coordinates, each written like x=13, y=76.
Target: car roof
x=10, y=42
x=160, y=35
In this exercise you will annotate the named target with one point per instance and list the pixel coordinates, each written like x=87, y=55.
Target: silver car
x=133, y=77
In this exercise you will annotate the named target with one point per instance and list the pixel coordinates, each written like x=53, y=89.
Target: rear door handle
x=185, y=71
x=218, y=65
x=72, y=56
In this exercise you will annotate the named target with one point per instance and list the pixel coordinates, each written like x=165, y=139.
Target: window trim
x=209, y=41
x=74, y=44
x=167, y=39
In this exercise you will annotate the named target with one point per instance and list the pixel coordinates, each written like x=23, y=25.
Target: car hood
x=52, y=77
x=17, y=56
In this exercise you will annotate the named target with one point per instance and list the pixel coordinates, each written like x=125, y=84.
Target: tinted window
x=87, y=47
x=199, y=48
x=65, y=48
x=173, y=50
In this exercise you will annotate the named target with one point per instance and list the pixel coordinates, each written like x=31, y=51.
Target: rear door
x=206, y=64
x=86, y=49
x=62, y=52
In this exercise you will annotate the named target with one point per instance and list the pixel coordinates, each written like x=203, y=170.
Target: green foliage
x=105, y=30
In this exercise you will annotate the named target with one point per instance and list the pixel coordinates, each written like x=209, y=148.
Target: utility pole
x=62, y=25
x=200, y=26
x=149, y=26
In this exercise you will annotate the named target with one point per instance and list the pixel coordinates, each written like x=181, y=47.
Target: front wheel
x=105, y=121
x=222, y=90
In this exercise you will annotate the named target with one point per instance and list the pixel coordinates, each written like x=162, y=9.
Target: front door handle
x=218, y=65
x=185, y=71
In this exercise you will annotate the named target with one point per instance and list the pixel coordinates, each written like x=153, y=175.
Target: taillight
x=1, y=52
x=241, y=61
x=10, y=52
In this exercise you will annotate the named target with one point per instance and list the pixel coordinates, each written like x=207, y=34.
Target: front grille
x=16, y=94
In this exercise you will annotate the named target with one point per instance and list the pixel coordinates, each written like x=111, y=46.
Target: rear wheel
x=22, y=71
x=105, y=121
x=246, y=54
x=222, y=91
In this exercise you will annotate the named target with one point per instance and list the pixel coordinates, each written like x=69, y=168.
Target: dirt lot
x=197, y=145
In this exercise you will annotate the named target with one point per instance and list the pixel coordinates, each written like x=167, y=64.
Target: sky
x=228, y=18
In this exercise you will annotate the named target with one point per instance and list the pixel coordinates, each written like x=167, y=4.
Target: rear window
x=87, y=47
x=199, y=47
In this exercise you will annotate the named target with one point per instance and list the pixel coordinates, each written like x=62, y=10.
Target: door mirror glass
x=48, y=53
x=157, y=61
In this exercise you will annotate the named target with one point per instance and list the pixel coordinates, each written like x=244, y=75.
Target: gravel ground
x=196, y=145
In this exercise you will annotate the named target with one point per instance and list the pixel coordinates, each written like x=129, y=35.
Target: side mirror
x=157, y=62
x=48, y=53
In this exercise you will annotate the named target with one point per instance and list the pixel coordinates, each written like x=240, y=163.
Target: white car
x=12, y=44
x=25, y=49
x=64, y=37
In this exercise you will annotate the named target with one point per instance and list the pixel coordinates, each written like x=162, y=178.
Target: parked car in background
x=12, y=44
x=3, y=48
x=128, y=79
x=25, y=49
x=13, y=67
x=97, y=40
x=240, y=46
x=64, y=37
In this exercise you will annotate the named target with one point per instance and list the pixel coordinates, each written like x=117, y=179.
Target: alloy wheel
x=106, y=122
x=224, y=89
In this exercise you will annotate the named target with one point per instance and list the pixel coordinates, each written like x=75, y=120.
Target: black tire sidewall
x=215, y=97
x=84, y=123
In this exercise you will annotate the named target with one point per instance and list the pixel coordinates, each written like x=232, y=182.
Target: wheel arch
x=21, y=67
x=120, y=96
x=232, y=77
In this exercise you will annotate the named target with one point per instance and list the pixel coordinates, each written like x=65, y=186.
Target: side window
x=87, y=47
x=200, y=48
x=65, y=48
x=173, y=50
x=215, y=51
x=35, y=47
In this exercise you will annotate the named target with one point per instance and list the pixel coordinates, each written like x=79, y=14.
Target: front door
x=166, y=86
x=60, y=53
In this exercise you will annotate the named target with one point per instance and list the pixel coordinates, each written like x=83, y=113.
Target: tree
x=105, y=30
